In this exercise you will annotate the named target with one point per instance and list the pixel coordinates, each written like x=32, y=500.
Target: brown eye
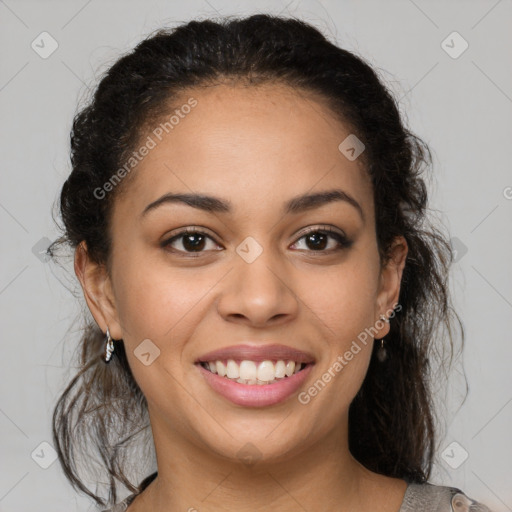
x=191, y=241
x=318, y=240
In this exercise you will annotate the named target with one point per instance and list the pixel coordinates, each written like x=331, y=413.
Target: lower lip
x=257, y=395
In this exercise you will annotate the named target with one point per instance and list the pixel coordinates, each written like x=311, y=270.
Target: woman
x=248, y=216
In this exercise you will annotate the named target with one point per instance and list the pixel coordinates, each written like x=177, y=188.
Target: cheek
x=342, y=315
x=161, y=303
x=342, y=309
x=165, y=307
x=343, y=300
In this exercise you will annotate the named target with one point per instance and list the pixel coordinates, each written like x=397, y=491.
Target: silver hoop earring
x=109, y=347
x=384, y=318
x=382, y=353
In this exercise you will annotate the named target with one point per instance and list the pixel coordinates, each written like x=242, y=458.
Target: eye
x=317, y=239
x=191, y=239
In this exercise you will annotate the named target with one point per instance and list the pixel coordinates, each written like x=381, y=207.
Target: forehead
x=256, y=145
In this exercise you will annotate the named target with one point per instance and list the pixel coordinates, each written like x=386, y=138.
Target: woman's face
x=253, y=276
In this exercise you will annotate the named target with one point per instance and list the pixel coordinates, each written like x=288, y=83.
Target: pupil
x=314, y=237
x=198, y=242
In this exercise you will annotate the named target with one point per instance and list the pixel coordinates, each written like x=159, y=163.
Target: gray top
x=417, y=498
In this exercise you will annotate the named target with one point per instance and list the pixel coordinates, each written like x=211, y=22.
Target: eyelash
x=344, y=242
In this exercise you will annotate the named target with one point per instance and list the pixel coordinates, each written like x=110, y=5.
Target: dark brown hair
x=102, y=411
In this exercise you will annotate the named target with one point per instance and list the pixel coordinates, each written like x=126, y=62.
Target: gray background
x=461, y=106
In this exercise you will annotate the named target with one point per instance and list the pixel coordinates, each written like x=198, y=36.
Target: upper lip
x=258, y=353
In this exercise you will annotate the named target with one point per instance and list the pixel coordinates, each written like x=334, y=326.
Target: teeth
x=232, y=371
x=220, y=367
x=266, y=371
x=280, y=369
x=250, y=372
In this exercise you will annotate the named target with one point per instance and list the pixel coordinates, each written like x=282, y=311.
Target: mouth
x=269, y=387
x=256, y=364
x=254, y=373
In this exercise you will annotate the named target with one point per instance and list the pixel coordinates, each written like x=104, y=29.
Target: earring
x=382, y=353
x=109, y=347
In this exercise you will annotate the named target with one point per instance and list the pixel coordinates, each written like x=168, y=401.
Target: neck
x=323, y=476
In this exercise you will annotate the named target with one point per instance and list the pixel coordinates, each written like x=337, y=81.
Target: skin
x=256, y=147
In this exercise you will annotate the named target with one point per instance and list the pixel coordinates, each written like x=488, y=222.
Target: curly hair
x=392, y=427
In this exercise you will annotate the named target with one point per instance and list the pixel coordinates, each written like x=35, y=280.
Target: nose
x=259, y=293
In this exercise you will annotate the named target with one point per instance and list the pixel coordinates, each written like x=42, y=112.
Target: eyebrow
x=295, y=205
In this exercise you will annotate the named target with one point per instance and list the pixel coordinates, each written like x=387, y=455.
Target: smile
x=252, y=372
x=252, y=384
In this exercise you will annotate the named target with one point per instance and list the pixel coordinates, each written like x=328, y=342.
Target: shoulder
x=437, y=498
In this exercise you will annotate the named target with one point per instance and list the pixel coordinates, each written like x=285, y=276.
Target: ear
x=389, y=282
x=98, y=292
